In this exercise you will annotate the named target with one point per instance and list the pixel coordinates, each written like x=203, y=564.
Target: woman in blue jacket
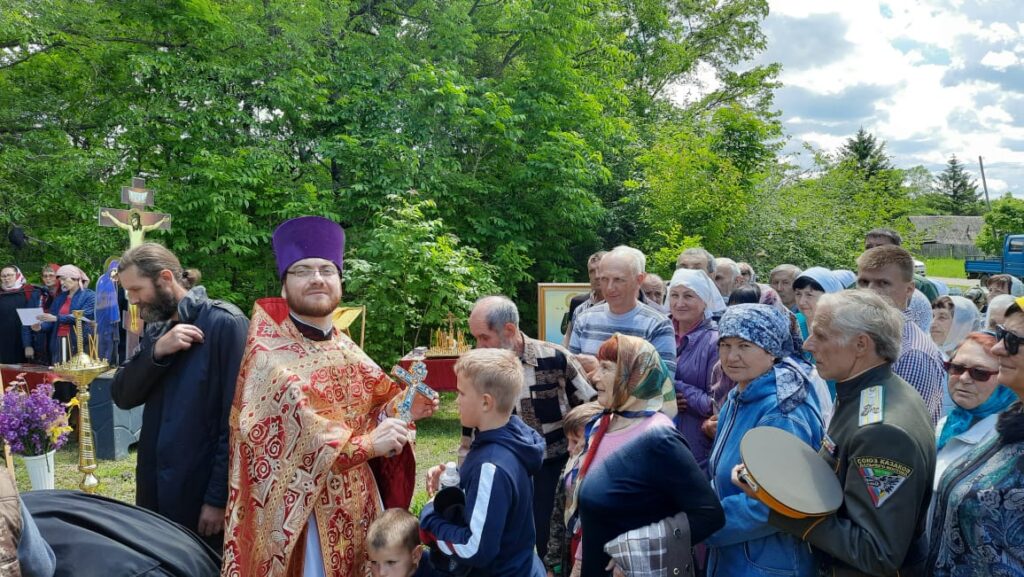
x=59, y=323
x=774, y=388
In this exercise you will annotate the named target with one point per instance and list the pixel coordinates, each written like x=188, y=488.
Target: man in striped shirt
x=621, y=274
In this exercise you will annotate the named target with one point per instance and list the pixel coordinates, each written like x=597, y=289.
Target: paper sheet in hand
x=28, y=316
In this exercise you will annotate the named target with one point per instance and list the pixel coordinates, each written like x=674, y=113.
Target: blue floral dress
x=978, y=525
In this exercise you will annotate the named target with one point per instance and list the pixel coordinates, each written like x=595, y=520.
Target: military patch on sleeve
x=870, y=406
x=882, y=477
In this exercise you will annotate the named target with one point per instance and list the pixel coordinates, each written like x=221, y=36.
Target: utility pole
x=984, y=184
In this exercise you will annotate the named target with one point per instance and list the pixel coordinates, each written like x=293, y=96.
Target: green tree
x=1006, y=217
x=817, y=216
x=920, y=186
x=411, y=274
x=529, y=130
x=866, y=153
x=959, y=191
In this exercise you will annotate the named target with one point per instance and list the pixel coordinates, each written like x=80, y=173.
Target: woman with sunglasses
x=953, y=317
x=977, y=396
x=976, y=527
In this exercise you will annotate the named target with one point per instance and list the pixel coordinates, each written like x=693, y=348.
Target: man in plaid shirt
x=889, y=271
x=554, y=383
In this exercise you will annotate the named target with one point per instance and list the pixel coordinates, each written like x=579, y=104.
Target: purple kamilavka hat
x=308, y=237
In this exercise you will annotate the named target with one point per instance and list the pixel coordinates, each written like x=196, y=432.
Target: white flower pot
x=40, y=470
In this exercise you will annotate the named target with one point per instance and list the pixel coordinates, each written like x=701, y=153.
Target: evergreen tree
x=958, y=189
x=866, y=153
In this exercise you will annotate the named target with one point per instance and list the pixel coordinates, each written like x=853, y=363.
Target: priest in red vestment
x=311, y=414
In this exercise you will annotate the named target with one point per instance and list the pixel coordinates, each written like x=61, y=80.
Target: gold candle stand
x=82, y=369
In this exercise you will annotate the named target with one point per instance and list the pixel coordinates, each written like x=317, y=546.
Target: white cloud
x=823, y=141
x=1001, y=32
x=994, y=185
x=1000, y=60
x=933, y=96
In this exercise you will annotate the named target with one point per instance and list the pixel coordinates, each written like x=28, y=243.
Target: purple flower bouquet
x=32, y=423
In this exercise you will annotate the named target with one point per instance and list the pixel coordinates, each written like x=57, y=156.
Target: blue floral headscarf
x=767, y=327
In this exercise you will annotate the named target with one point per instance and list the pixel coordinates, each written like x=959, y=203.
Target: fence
x=958, y=251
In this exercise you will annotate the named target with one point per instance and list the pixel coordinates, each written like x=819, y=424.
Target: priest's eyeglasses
x=306, y=272
x=1010, y=340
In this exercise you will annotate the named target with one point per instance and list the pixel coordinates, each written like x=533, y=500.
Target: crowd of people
x=616, y=453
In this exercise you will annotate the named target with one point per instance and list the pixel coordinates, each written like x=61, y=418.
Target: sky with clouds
x=930, y=77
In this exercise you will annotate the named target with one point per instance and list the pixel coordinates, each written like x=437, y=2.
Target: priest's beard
x=163, y=306
x=310, y=308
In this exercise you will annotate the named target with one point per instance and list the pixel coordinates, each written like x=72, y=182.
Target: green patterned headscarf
x=642, y=381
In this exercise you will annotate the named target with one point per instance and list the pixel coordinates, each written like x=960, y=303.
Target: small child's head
x=575, y=423
x=393, y=544
x=489, y=382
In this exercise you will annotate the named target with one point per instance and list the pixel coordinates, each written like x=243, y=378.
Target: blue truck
x=1011, y=261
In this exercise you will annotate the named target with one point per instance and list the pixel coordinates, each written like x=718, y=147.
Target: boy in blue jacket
x=497, y=535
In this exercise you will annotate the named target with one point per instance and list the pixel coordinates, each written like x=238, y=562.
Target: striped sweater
x=595, y=325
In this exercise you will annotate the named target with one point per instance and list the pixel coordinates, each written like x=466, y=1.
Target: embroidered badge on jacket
x=883, y=477
x=870, y=406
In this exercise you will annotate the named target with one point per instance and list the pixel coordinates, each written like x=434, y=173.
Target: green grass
x=944, y=267
x=437, y=441
x=117, y=478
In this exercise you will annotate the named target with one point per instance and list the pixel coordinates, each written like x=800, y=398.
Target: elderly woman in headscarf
x=953, y=318
x=721, y=384
x=1004, y=284
x=693, y=299
x=978, y=514
x=59, y=323
x=808, y=288
x=636, y=469
x=979, y=296
x=15, y=338
x=996, y=311
x=978, y=399
x=774, y=388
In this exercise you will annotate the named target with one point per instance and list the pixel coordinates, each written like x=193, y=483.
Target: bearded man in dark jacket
x=184, y=371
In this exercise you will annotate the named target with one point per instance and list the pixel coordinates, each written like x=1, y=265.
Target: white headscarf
x=1002, y=302
x=846, y=277
x=1016, y=287
x=699, y=282
x=825, y=278
x=965, y=316
x=19, y=280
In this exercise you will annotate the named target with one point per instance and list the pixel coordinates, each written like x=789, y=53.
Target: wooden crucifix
x=135, y=220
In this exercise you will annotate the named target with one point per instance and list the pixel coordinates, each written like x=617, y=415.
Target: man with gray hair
x=553, y=384
x=727, y=276
x=653, y=288
x=697, y=259
x=781, y=279
x=880, y=443
x=622, y=273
